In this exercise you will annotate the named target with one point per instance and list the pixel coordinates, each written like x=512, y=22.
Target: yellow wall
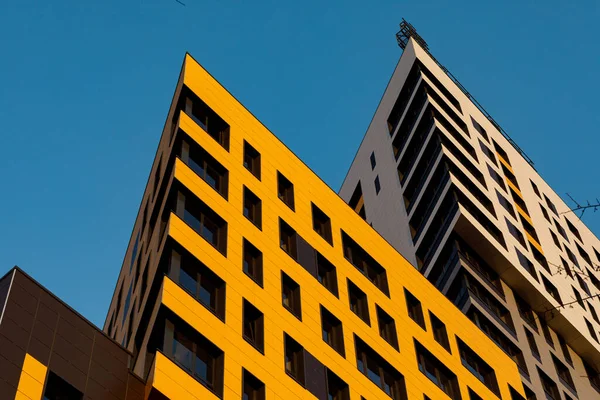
x=31, y=382
x=269, y=368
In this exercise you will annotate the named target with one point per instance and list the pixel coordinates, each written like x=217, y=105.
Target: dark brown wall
x=37, y=323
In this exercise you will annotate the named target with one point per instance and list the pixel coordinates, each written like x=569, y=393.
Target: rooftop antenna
x=406, y=32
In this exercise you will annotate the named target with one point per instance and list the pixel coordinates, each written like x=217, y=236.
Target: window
x=566, y=267
x=551, y=289
x=252, y=262
x=572, y=257
x=563, y=373
x=506, y=204
x=199, y=281
x=157, y=177
x=578, y=297
x=592, y=375
x=473, y=395
x=593, y=312
x=373, y=162
x=285, y=190
x=550, y=388
x=478, y=367
x=196, y=355
x=497, y=178
x=203, y=220
x=555, y=239
x=591, y=330
x=377, y=185
x=565, y=349
x=379, y=371
x=550, y=205
x=357, y=202
x=527, y=264
x=205, y=166
x=332, y=331
x=561, y=230
x=574, y=230
x=366, y=264
x=546, y=215
x=415, y=312
x=287, y=239
x=253, y=329
x=321, y=224
x=480, y=129
x=535, y=189
x=358, y=302
x=437, y=372
x=387, y=328
x=252, y=208
x=126, y=306
x=252, y=388
x=290, y=295
x=294, y=359
x=252, y=160
x=59, y=389
x=583, y=285
x=594, y=280
x=326, y=274
x=526, y=312
x=584, y=254
x=439, y=331
x=337, y=389
x=501, y=152
x=515, y=232
x=546, y=331
x=532, y=345
x=206, y=118
x=489, y=153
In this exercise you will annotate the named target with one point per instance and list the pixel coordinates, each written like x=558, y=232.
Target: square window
x=294, y=359
x=290, y=295
x=252, y=160
x=285, y=190
x=337, y=389
x=439, y=331
x=321, y=224
x=57, y=388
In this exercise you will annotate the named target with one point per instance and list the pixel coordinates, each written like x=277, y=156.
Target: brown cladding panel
x=46, y=315
x=8, y=391
x=16, y=334
x=39, y=351
x=4, y=286
x=96, y=391
x=135, y=388
x=104, y=344
x=77, y=338
x=63, y=368
x=24, y=293
x=10, y=372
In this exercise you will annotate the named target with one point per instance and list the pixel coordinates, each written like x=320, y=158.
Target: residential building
x=247, y=277
x=439, y=179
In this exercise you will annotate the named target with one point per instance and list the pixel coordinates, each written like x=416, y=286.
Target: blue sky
x=85, y=88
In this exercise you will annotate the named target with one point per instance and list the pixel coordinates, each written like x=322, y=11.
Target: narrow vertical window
x=373, y=161
x=252, y=160
x=532, y=345
x=252, y=208
x=387, y=328
x=253, y=326
x=332, y=331
x=290, y=295
x=439, y=331
x=252, y=387
x=252, y=262
x=287, y=239
x=377, y=185
x=337, y=389
x=358, y=302
x=415, y=311
x=326, y=274
x=321, y=224
x=294, y=359
x=285, y=190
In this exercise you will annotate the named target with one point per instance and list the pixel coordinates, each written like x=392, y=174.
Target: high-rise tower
x=440, y=180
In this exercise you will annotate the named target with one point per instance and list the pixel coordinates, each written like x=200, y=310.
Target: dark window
x=526, y=312
x=573, y=230
x=489, y=153
x=439, y=331
x=561, y=230
x=592, y=375
x=473, y=395
x=572, y=257
x=59, y=389
x=366, y=264
x=550, y=388
x=535, y=189
x=326, y=274
x=207, y=119
x=285, y=190
x=578, y=297
x=252, y=262
x=506, y=204
x=287, y=239
x=202, y=283
x=565, y=350
x=377, y=185
x=550, y=205
x=555, y=239
x=501, y=152
x=254, y=331
x=527, y=264
x=480, y=129
x=387, y=328
x=252, y=160
x=359, y=303
x=415, y=311
x=478, y=367
x=205, y=166
x=566, y=267
x=252, y=388
x=546, y=215
x=546, y=330
x=551, y=289
x=437, y=372
x=532, y=345
x=321, y=224
x=294, y=359
x=591, y=330
x=373, y=162
x=594, y=280
x=379, y=371
x=593, y=312
x=516, y=233
x=584, y=254
x=196, y=355
x=563, y=373
x=357, y=202
x=583, y=285
x=252, y=208
x=126, y=306
x=337, y=389
x=290, y=295
x=203, y=220
x=497, y=178
x=332, y=331
x=156, y=178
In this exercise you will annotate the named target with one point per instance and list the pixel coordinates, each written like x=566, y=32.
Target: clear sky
x=85, y=87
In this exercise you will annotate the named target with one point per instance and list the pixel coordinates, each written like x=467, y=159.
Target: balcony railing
x=431, y=205
x=476, y=267
x=440, y=234
x=424, y=175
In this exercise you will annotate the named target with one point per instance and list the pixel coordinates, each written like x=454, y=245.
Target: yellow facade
x=31, y=382
x=170, y=380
